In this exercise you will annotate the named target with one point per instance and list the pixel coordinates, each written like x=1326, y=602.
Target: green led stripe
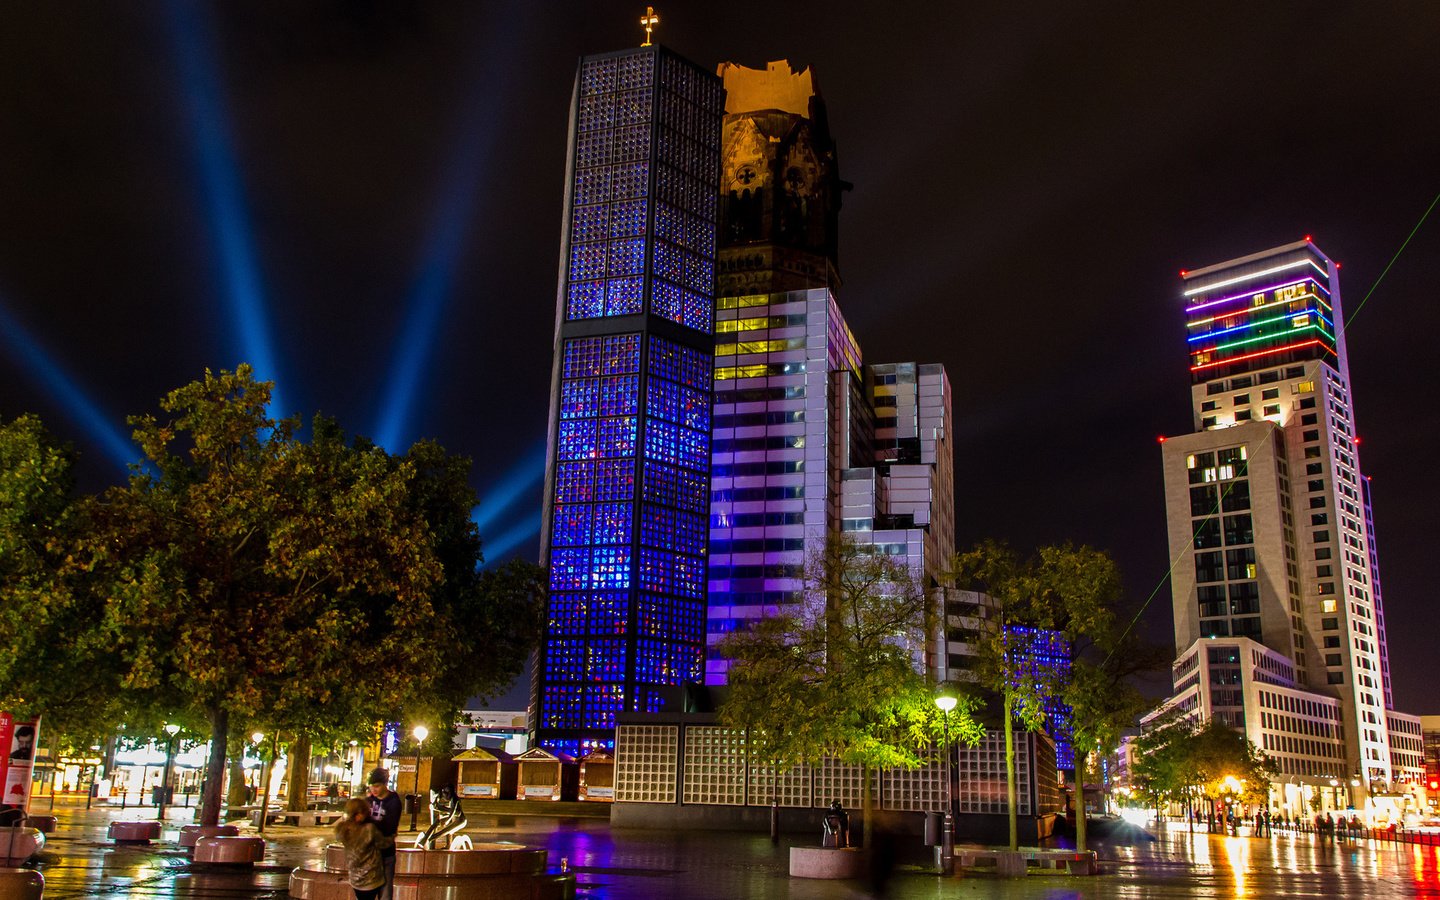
x=1271, y=337
x=1291, y=315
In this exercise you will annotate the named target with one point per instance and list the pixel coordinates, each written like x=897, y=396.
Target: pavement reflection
x=620, y=864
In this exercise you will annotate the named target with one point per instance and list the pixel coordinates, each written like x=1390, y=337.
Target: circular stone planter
x=826, y=862
x=228, y=850
x=21, y=884
x=191, y=834
x=485, y=871
x=19, y=843
x=134, y=832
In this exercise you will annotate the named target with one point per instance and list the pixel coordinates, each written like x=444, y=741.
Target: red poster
x=19, y=742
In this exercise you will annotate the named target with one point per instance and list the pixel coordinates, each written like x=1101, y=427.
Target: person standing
x=385, y=811
x=364, y=867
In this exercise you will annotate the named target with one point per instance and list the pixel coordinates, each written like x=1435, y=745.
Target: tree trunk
x=1082, y=759
x=1011, y=794
x=867, y=807
x=210, y=798
x=297, y=771
x=237, y=795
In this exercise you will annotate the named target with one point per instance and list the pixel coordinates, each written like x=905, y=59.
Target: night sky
x=379, y=186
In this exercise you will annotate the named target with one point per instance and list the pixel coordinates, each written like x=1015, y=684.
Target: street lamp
x=171, y=729
x=946, y=702
x=420, y=732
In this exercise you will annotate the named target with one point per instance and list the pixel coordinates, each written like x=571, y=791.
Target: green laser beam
x=1366, y=298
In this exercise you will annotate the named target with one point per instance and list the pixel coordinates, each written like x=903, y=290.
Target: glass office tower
x=627, y=480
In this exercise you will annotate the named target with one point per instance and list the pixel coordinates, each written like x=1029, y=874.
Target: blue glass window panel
x=627, y=257
x=627, y=218
x=666, y=300
x=697, y=312
x=615, y=437
x=606, y=661
x=657, y=526
x=661, y=483
x=631, y=180
x=685, y=662
x=587, y=261
x=597, y=76
x=613, y=523
x=636, y=71
x=652, y=661
x=691, y=532
x=593, y=149
x=569, y=568
x=565, y=658
x=591, y=186
x=577, y=439
x=622, y=354
x=562, y=707
x=690, y=367
x=586, y=300
x=695, y=409
x=662, y=442
x=624, y=296
x=669, y=262
x=689, y=575
x=610, y=568
x=620, y=396
x=694, y=449
x=596, y=111
x=632, y=108
x=614, y=479
x=579, y=398
x=572, y=525
x=662, y=400
x=669, y=223
x=699, y=274
x=602, y=702
x=656, y=570
x=574, y=482
x=631, y=143
x=608, y=613
x=654, y=701
x=692, y=490
x=591, y=224
x=568, y=614
x=582, y=357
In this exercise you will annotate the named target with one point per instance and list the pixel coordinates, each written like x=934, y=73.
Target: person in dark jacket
x=385, y=811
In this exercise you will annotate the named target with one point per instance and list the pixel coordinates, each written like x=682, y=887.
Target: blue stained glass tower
x=627, y=487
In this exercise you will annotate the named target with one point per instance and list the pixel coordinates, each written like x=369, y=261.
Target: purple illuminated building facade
x=627, y=480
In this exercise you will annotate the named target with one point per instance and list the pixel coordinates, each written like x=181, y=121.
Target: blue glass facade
x=1046, y=654
x=628, y=479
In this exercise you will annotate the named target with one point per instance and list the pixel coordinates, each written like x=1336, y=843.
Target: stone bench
x=489, y=870
x=306, y=818
x=229, y=850
x=190, y=834
x=19, y=843
x=826, y=862
x=44, y=824
x=1028, y=861
x=134, y=832
x=21, y=884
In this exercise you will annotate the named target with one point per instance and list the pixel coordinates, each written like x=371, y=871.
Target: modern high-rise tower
x=1276, y=592
x=627, y=482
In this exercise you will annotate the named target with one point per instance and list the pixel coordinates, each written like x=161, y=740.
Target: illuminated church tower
x=627, y=486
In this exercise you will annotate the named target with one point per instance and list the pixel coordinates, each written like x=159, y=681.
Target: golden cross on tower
x=648, y=22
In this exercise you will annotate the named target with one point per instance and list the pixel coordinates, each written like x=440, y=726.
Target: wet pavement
x=621, y=864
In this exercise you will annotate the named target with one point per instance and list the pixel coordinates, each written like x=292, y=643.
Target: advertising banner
x=18, y=743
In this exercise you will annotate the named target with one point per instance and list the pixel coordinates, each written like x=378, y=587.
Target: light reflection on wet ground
x=621, y=864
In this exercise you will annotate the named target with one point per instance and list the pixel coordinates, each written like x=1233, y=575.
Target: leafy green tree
x=1074, y=591
x=836, y=675
x=1179, y=759
x=53, y=662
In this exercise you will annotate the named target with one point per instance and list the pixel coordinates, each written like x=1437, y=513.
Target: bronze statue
x=447, y=823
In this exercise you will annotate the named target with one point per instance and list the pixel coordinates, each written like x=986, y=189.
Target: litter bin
x=160, y=795
x=412, y=803
x=934, y=822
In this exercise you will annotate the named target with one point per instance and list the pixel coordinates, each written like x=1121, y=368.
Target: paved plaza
x=620, y=864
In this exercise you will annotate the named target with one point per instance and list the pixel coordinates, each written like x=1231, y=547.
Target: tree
x=52, y=660
x=1182, y=759
x=248, y=577
x=1073, y=592
x=836, y=676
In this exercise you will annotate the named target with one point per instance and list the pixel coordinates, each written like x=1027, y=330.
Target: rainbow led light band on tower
x=1308, y=311
x=1246, y=295
x=1241, y=278
x=1232, y=359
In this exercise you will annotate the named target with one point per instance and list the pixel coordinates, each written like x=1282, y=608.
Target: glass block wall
x=627, y=486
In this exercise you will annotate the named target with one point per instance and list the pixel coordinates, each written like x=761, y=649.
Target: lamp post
x=946, y=703
x=420, y=732
x=171, y=729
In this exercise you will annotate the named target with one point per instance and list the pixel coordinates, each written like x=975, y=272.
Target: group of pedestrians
x=368, y=835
